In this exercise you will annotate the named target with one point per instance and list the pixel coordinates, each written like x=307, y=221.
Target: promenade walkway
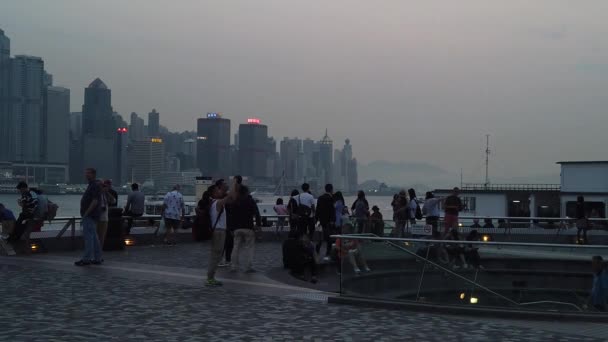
x=156, y=293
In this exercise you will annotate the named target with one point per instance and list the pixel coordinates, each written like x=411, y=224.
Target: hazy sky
x=419, y=81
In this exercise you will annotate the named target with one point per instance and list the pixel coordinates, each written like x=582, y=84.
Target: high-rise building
x=213, y=146
x=76, y=124
x=6, y=124
x=253, y=149
x=26, y=111
x=310, y=158
x=57, y=125
x=98, y=130
x=153, y=124
x=339, y=181
x=326, y=159
x=120, y=154
x=146, y=159
x=136, y=128
x=353, y=177
x=290, y=151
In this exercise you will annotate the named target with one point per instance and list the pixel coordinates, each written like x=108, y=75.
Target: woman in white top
x=107, y=200
x=431, y=210
x=218, y=225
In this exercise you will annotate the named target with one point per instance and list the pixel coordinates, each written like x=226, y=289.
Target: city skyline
x=407, y=88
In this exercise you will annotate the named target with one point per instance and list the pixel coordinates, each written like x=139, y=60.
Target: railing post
x=73, y=237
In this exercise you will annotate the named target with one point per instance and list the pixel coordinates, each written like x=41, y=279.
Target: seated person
x=488, y=223
x=471, y=252
x=351, y=250
x=298, y=256
x=476, y=224
x=456, y=251
x=7, y=218
x=377, y=221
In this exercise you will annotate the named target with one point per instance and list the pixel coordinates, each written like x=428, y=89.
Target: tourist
x=475, y=224
x=471, y=252
x=431, y=210
x=377, y=222
x=90, y=211
x=218, y=224
x=299, y=258
x=599, y=291
x=400, y=213
x=7, y=219
x=360, y=210
x=326, y=215
x=27, y=218
x=246, y=210
x=292, y=208
x=107, y=201
x=135, y=206
x=230, y=213
x=351, y=250
x=456, y=251
x=581, y=221
x=173, y=213
x=453, y=205
x=305, y=211
x=487, y=223
x=281, y=210
x=341, y=209
x=412, y=206
x=111, y=192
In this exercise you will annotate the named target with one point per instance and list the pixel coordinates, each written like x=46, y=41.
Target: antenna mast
x=487, y=160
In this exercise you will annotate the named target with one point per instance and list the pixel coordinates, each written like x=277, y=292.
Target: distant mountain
x=404, y=174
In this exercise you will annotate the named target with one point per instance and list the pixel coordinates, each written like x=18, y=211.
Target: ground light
x=473, y=300
x=129, y=241
x=485, y=238
x=34, y=247
x=462, y=296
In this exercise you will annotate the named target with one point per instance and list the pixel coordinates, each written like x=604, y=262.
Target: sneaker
x=224, y=264
x=213, y=283
x=357, y=272
x=97, y=262
x=327, y=259
x=82, y=263
x=251, y=270
x=367, y=269
x=4, y=236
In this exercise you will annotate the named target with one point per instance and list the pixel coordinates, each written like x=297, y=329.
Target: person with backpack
x=217, y=228
x=326, y=215
x=306, y=211
x=27, y=218
x=360, y=209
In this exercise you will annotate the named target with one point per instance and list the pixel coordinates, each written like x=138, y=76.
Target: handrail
x=483, y=243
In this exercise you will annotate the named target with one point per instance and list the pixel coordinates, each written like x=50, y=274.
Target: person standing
x=111, y=192
x=281, y=210
x=360, y=210
x=431, y=210
x=453, y=206
x=581, y=221
x=90, y=211
x=412, y=206
x=246, y=211
x=135, y=206
x=292, y=208
x=306, y=211
x=377, y=222
x=107, y=201
x=599, y=291
x=217, y=215
x=341, y=211
x=326, y=215
x=400, y=213
x=173, y=213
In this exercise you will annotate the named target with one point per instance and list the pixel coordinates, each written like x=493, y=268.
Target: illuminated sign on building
x=122, y=130
x=254, y=121
x=156, y=140
x=214, y=115
x=201, y=138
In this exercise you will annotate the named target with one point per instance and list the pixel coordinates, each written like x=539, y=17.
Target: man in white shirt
x=306, y=211
x=173, y=212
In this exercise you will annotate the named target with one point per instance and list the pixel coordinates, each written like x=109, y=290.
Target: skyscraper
x=146, y=158
x=253, y=149
x=153, y=124
x=6, y=125
x=136, y=128
x=290, y=151
x=57, y=125
x=213, y=146
x=99, y=131
x=26, y=111
x=326, y=159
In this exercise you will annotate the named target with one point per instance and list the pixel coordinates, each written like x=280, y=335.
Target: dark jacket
x=241, y=213
x=326, y=212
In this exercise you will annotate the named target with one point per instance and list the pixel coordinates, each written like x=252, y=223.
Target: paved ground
x=156, y=294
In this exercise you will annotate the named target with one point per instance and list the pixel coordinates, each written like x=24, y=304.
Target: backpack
x=303, y=210
x=418, y=212
x=203, y=229
x=42, y=206
x=51, y=211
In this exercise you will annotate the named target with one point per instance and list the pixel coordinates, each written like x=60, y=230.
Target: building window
x=469, y=203
x=592, y=209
